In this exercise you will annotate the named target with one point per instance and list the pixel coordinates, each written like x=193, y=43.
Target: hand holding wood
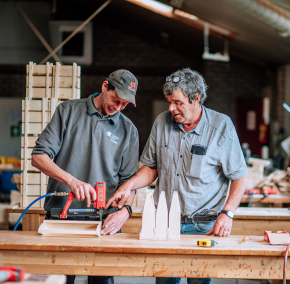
x=114, y=222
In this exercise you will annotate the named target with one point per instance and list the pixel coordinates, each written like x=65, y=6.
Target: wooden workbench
x=126, y=255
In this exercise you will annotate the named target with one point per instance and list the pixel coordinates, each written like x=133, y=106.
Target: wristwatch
x=128, y=207
x=228, y=213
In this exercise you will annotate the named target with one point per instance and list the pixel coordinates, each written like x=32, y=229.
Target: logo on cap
x=132, y=86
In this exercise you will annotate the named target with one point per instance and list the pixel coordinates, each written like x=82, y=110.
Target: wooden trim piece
x=52, y=107
x=148, y=219
x=161, y=218
x=56, y=81
x=30, y=78
x=70, y=227
x=174, y=218
x=74, y=81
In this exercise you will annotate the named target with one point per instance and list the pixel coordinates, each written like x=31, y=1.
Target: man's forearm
x=236, y=193
x=143, y=177
x=49, y=168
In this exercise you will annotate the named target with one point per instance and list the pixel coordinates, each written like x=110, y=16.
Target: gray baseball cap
x=125, y=84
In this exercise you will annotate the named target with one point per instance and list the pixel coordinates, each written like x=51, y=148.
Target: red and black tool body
x=95, y=211
x=16, y=273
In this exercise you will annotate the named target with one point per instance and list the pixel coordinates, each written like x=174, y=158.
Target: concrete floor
x=151, y=280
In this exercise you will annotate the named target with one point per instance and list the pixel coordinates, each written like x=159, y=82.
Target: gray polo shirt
x=201, y=180
x=90, y=147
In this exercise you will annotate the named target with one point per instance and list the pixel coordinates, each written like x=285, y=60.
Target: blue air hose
x=46, y=195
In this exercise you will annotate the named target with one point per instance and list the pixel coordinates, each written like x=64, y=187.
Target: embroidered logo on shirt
x=113, y=137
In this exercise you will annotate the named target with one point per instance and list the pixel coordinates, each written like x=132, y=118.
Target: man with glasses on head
x=195, y=151
x=90, y=140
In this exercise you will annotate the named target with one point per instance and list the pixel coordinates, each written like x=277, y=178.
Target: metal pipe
x=269, y=13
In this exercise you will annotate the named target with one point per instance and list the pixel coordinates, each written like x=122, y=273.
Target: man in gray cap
x=90, y=140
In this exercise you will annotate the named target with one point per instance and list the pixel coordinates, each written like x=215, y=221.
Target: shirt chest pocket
x=196, y=166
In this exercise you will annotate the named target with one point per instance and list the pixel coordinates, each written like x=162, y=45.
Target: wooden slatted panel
x=34, y=189
x=64, y=93
x=40, y=70
x=39, y=81
x=34, y=178
x=30, y=142
x=67, y=71
x=36, y=105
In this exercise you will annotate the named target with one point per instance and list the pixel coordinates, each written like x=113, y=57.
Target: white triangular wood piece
x=174, y=218
x=161, y=218
x=148, y=218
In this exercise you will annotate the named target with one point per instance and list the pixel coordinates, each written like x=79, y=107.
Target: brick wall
x=228, y=81
x=151, y=61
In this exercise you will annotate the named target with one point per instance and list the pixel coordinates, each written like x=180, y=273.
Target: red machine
x=93, y=212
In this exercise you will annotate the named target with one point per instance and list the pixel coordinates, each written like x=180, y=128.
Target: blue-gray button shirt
x=90, y=147
x=201, y=180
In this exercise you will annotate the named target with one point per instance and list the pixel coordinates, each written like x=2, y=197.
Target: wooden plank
x=74, y=80
x=149, y=265
x=257, y=227
x=17, y=209
x=64, y=93
x=36, y=105
x=56, y=80
x=130, y=243
x=34, y=178
x=161, y=218
x=39, y=81
x=29, y=151
x=30, y=82
x=40, y=70
x=67, y=71
x=174, y=218
x=33, y=189
x=30, y=141
x=31, y=222
x=70, y=227
x=264, y=213
x=28, y=167
x=68, y=82
x=32, y=128
x=36, y=117
x=132, y=226
x=29, y=199
x=148, y=219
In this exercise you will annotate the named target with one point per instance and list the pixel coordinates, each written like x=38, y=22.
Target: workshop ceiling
x=255, y=40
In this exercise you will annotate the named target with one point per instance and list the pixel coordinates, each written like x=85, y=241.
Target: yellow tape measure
x=206, y=243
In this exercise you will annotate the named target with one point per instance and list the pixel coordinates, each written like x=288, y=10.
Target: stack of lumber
x=278, y=179
x=47, y=86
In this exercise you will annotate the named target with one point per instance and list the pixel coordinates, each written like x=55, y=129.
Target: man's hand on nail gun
x=114, y=222
x=82, y=190
x=119, y=198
